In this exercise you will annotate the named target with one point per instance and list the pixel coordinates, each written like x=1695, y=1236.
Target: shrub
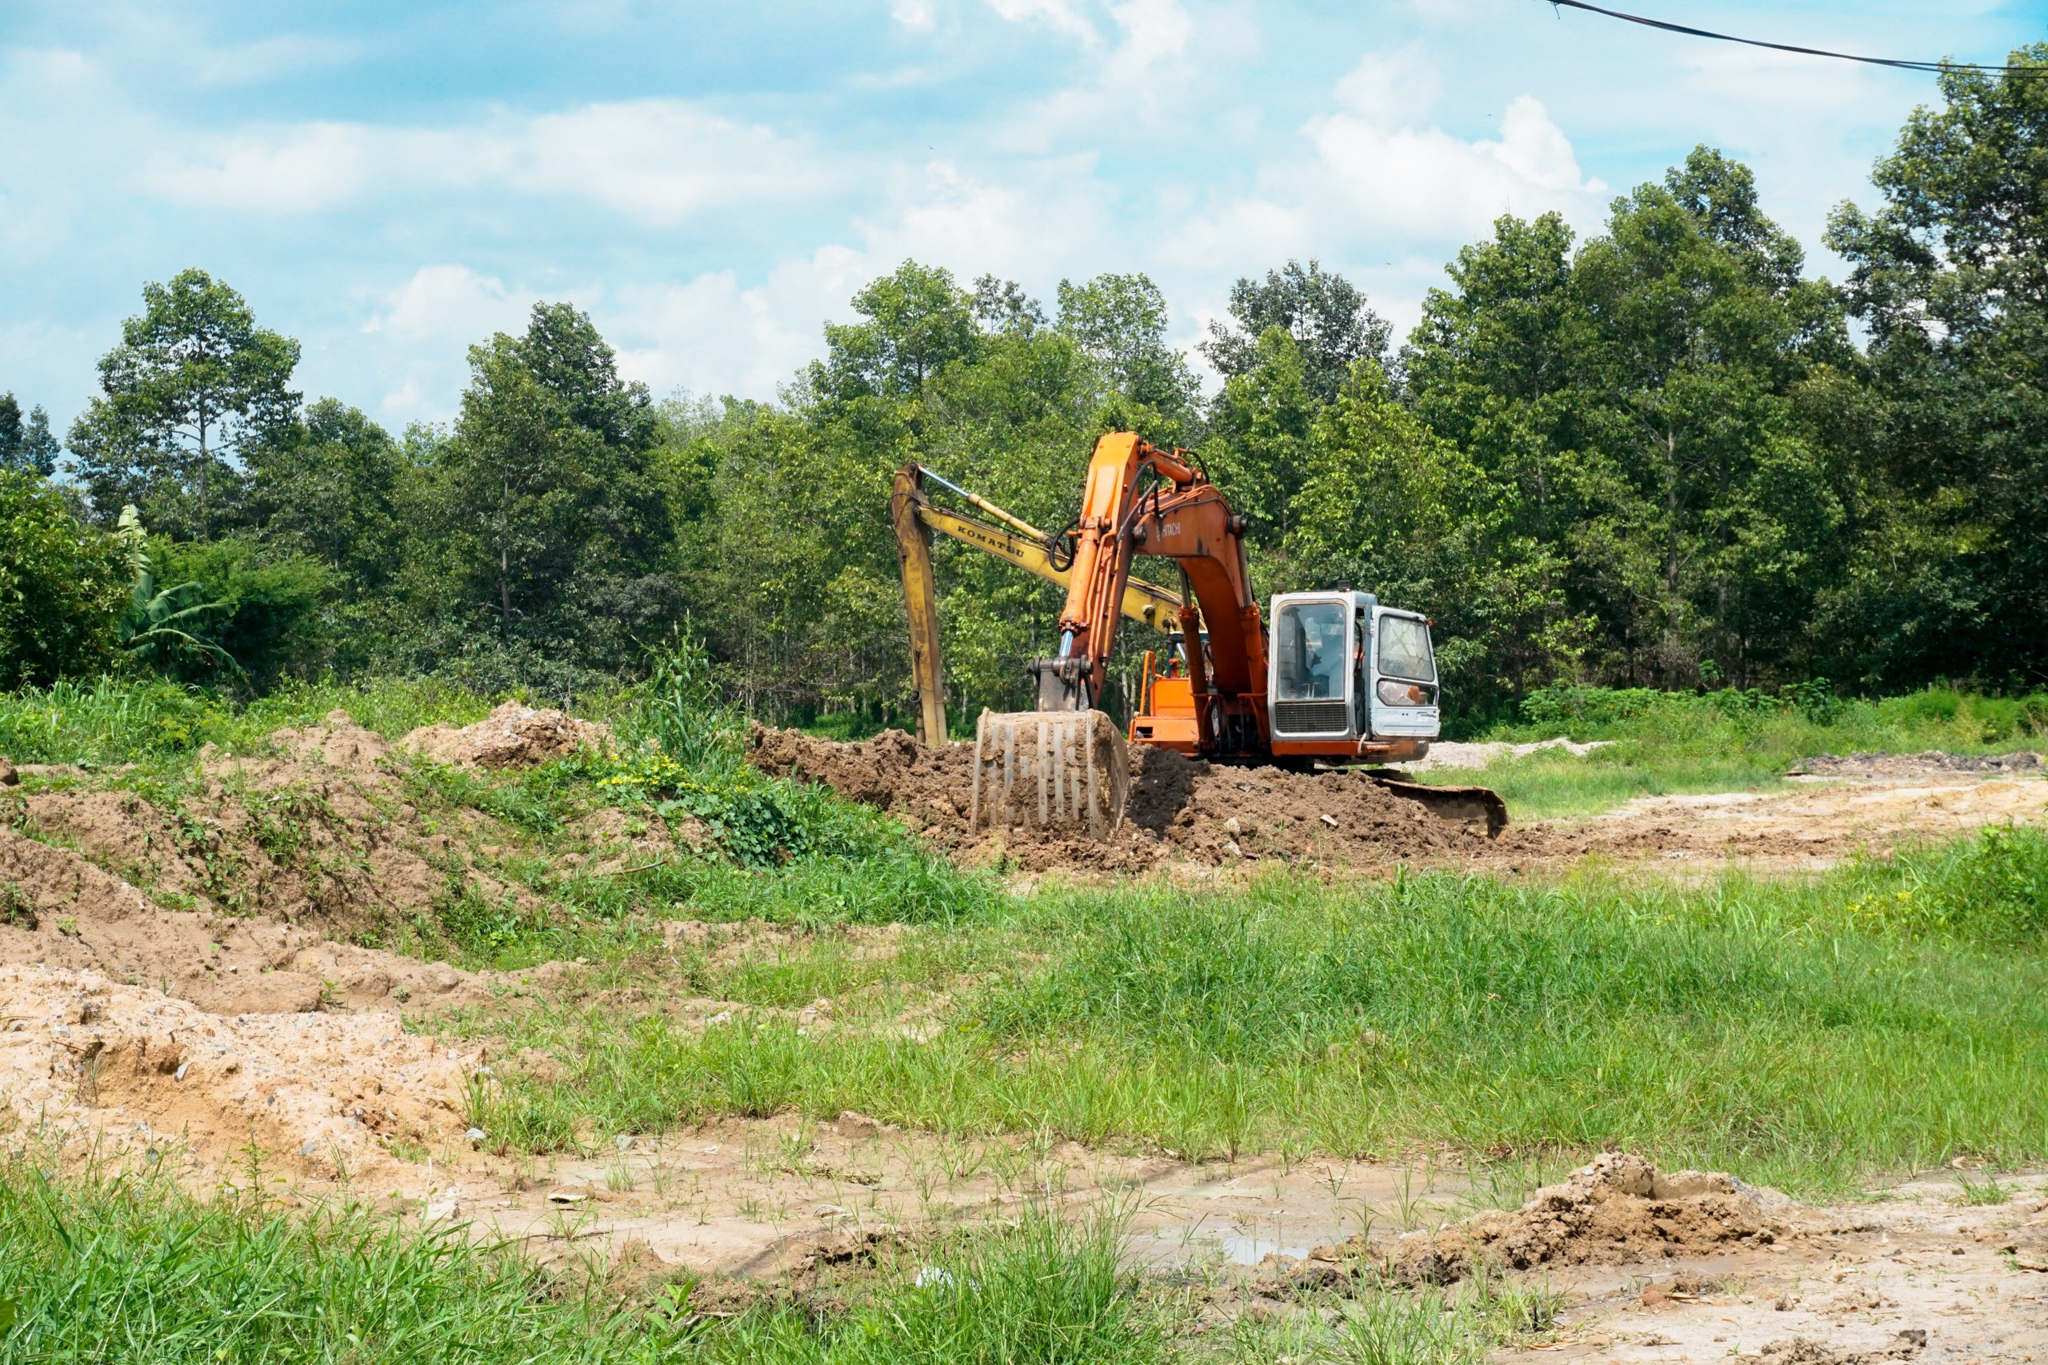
x=62, y=585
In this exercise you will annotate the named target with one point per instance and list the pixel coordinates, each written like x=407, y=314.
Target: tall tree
x=192, y=384
x=1951, y=279
x=1642, y=397
x=915, y=321
x=27, y=447
x=1332, y=325
x=329, y=486
x=1258, y=447
x=62, y=586
x=557, y=524
x=1121, y=321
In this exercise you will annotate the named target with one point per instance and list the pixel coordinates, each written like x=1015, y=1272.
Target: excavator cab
x=1350, y=678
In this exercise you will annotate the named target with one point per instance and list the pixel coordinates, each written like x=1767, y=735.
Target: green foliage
x=1120, y=322
x=1946, y=276
x=193, y=383
x=551, y=524
x=1322, y=313
x=236, y=612
x=332, y=486
x=26, y=448
x=154, y=722
x=1991, y=890
x=681, y=711
x=62, y=585
x=1664, y=514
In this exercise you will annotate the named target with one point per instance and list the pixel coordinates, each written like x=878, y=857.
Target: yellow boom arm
x=1025, y=546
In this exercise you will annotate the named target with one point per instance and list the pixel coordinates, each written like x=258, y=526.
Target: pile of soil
x=319, y=828
x=1617, y=1210
x=1931, y=761
x=60, y=910
x=131, y=1072
x=1801, y=1351
x=513, y=736
x=1180, y=809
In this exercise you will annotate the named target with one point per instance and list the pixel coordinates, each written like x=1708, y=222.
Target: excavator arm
x=1007, y=537
x=1142, y=500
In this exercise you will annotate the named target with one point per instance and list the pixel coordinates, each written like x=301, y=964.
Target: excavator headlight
x=1405, y=694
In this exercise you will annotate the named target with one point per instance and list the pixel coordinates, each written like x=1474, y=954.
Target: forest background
x=1663, y=456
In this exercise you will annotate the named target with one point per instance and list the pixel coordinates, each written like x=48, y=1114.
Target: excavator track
x=1476, y=806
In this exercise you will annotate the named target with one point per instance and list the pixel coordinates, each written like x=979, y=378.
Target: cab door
x=1402, y=677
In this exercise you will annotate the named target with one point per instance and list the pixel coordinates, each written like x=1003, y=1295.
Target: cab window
x=1404, y=649
x=1310, y=643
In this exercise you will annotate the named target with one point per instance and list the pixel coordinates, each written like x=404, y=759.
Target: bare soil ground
x=1816, y=824
x=1180, y=809
x=1189, y=813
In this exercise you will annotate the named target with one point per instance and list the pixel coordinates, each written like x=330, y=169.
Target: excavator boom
x=1005, y=536
x=1142, y=500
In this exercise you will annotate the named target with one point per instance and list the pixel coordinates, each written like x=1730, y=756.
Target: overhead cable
x=1901, y=64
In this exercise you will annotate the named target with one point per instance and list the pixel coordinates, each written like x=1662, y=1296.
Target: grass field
x=134, y=1270
x=1661, y=744
x=1814, y=1032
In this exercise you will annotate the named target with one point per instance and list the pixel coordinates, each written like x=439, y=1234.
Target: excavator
x=1340, y=679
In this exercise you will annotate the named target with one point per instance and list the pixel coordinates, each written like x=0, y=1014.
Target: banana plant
x=161, y=625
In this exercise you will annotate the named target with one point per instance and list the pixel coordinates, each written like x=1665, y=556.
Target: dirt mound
x=133, y=1072
x=1618, y=1209
x=1802, y=1351
x=1914, y=765
x=320, y=828
x=1180, y=808
x=57, y=908
x=513, y=736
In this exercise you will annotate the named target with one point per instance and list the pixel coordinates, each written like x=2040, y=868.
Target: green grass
x=1883, y=1017
x=111, y=720
x=1675, y=743
x=97, y=1269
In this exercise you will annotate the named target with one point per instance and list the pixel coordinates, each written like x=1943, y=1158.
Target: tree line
x=1663, y=455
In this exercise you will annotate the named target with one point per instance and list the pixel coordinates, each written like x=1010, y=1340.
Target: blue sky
x=390, y=183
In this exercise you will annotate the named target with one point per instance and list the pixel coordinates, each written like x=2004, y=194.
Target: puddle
x=1242, y=1250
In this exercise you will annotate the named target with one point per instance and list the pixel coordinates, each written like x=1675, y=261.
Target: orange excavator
x=1340, y=679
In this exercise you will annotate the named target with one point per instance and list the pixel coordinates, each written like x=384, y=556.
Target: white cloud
x=303, y=170
x=1390, y=88
x=268, y=59
x=913, y=13
x=1058, y=15
x=712, y=335
x=657, y=161
x=1424, y=182
x=1376, y=182
x=444, y=301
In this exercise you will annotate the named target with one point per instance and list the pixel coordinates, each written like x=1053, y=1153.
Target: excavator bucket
x=1049, y=769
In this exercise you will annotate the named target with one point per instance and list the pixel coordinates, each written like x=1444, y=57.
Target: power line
x=1690, y=32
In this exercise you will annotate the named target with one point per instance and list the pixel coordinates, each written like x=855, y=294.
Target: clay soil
x=1193, y=814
